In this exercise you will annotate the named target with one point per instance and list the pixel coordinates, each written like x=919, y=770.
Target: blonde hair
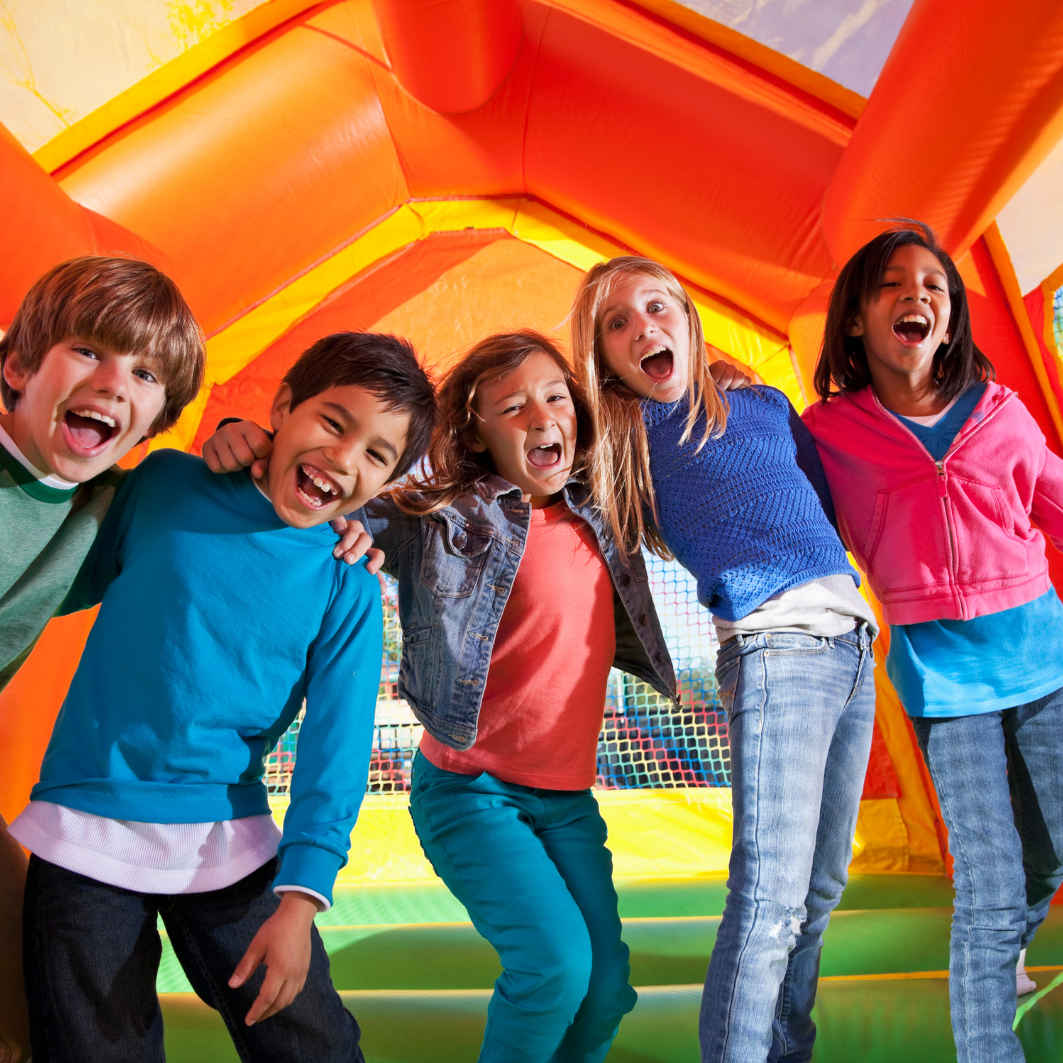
x=454, y=468
x=620, y=464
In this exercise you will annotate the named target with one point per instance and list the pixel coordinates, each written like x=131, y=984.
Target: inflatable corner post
x=445, y=170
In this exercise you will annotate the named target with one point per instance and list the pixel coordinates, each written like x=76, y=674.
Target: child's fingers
x=352, y=546
x=263, y=1007
x=256, y=438
x=243, y=453
x=252, y=959
x=210, y=456
x=374, y=560
x=289, y=991
x=260, y=468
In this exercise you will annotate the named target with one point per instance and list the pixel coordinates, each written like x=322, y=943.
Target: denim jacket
x=456, y=569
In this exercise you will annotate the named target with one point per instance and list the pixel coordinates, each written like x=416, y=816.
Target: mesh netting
x=1057, y=318
x=646, y=741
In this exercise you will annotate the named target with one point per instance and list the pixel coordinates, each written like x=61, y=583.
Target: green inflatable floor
x=418, y=977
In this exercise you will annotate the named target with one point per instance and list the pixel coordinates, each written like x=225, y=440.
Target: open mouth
x=545, y=457
x=314, y=488
x=657, y=364
x=88, y=429
x=912, y=329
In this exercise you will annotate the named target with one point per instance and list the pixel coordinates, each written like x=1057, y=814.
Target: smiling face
x=84, y=408
x=903, y=328
x=527, y=423
x=644, y=337
x=332, y=453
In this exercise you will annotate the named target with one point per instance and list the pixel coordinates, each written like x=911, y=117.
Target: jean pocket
x=727, y=676
x=794, y=645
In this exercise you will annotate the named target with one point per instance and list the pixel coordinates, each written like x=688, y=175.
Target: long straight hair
x=842, y=364
x=620, y=464
x=453, y=468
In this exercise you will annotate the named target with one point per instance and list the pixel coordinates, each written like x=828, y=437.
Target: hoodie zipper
x=943, y=485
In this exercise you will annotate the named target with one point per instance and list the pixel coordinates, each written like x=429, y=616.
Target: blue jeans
x=91, y=956
x=801, y=713
x=533, y=871
x=999, y=778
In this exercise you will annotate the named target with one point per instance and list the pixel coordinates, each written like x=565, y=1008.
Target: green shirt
x=45, y=533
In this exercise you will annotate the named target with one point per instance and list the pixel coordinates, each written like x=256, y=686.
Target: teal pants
x=533, y=871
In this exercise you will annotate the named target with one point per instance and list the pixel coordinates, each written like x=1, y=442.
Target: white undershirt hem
x=162, y=858
x=323, y=902
x=824, y=608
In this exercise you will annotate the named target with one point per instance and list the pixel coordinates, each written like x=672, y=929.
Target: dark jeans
x=91, y=955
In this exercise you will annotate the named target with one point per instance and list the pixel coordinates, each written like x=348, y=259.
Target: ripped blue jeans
x=801, y=713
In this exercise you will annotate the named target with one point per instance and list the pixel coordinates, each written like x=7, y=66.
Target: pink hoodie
x=946, y=540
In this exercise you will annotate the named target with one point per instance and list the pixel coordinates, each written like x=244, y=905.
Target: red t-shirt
x=545, y=696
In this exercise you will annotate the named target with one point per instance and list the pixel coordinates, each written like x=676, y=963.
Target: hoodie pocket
x=993, y=548
x=907, y=547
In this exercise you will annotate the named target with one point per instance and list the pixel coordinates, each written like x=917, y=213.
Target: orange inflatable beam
x=452, y=55
x=43, y=226
x=968, y=104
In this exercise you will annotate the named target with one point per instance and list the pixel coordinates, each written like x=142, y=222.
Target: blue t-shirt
x=217, y=621
x=944, y=668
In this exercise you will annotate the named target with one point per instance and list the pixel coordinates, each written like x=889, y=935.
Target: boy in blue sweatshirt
x=222, y=611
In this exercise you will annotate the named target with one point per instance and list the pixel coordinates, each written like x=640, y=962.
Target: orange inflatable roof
x=279, y=150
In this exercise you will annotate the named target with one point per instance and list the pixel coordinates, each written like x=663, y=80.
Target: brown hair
x=842, y=364
x=124, y=304
x=384, y=365
x=620, y=469
x=454, y=469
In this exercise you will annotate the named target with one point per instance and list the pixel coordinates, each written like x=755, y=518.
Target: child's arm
x=104, y=559
x=391, y=529
x=283, y=945
x=808, y=462
x=239, y=444
x=1047, y=509
x=335, y=743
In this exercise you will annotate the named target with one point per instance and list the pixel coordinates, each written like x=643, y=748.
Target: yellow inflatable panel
x=682, y=833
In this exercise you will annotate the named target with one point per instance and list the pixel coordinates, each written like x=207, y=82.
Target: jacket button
x=642, y=619
x=459, y=541
x=625, y=580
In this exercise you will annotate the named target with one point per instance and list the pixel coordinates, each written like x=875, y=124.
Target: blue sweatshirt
x=217, y=621
x=750, y=514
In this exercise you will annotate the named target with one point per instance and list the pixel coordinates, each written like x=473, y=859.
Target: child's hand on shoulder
x=726, y=375
x=355, y=542
x=283, y=945
x=236, y=446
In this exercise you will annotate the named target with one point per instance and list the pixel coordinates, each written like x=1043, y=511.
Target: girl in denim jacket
x=515, y=602
x=939, y=475
x=734, y=489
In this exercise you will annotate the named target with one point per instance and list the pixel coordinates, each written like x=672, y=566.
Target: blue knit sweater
x=749, y=515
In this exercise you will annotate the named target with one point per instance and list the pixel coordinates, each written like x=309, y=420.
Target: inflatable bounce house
x=442, y=169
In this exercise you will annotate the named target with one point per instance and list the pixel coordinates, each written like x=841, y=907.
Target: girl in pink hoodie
x=944, y=489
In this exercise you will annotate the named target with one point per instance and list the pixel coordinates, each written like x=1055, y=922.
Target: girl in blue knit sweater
x=733, y=488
